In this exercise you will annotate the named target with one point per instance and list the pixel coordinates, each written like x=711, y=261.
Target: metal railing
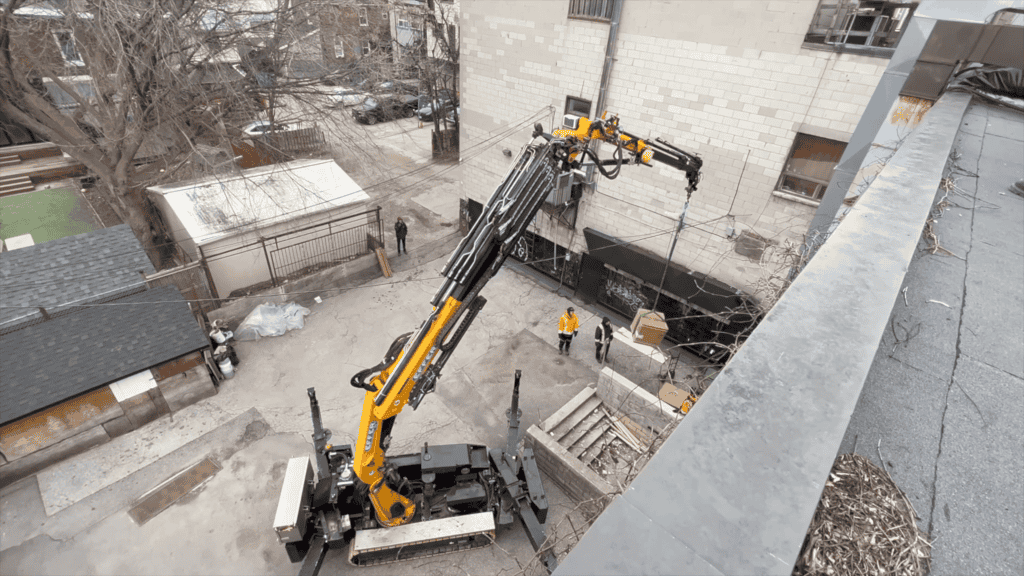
x=321, y=246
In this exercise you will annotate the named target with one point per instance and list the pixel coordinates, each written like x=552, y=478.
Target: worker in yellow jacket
x=568, y=325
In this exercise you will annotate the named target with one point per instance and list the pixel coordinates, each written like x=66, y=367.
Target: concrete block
x=32, y=463
x=140, y=410
x=187, y=388
x=118, y=426
x=622, y=396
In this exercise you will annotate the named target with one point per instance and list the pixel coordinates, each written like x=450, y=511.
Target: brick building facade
x=742, y=84
x=349, y=30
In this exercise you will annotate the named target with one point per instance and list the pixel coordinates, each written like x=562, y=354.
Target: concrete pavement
x=72, y=517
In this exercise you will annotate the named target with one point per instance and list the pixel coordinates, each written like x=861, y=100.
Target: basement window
x=577, y=106
x=810, y=165
x=600, y=10
x=867, y=23
x=367, y=47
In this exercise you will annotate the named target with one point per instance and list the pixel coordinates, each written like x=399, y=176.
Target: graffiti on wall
x=626, y=291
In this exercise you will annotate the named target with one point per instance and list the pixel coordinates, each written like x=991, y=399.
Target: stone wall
x=578, y=481
x=623, y=397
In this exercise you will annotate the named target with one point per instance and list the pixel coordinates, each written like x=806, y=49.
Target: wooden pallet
x=385, y=266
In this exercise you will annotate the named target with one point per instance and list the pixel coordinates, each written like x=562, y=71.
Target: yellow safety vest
x=568, y=324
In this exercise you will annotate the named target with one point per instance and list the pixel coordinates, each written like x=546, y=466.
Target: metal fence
x=310, y=249
x=321, y=246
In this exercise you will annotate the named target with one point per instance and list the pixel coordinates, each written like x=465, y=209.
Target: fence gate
x=192, y=281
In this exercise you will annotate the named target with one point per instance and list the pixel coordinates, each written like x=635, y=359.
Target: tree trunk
x=130, y=205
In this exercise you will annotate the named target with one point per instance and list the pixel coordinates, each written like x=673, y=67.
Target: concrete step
x=582, y=428
x=572, y=419
x=590, y=438
x=9, y=159
x=16, y=185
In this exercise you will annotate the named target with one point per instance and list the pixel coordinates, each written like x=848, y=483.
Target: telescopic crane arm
x=414, y=361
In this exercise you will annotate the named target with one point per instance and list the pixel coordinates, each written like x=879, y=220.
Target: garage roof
x=221, y=207
x=67, y=356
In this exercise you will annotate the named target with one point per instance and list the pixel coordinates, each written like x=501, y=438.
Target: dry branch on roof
x=864, y=525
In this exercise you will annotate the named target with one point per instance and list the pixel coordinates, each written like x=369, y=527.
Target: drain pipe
x=606, y=76
x=609, y=56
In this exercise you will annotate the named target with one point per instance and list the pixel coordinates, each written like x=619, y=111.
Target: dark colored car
x=442, y=106
x=385, y=107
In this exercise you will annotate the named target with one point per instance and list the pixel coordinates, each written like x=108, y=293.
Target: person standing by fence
x=568, y=324
x=603, y=338
x=400, y=232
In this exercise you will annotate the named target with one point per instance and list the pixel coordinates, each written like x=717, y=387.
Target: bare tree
x=436, y=60
x=178, y=76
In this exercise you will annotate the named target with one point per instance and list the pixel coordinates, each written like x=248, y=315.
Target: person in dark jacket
x=603, y=338
x=400, y=231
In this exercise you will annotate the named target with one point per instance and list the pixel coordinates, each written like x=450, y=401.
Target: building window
x=577, y=106
x=859, y=22
x=66, y=42
x=366, y=47
x=810, y=165
x=364, y=20
x=339, y=47
x=408, y=21
x=385, y=16
x=591, y=9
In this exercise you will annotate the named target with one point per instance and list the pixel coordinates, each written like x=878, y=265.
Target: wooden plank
x=385, y=266
x=34, y=150
x=177, y=366
x=573, y=420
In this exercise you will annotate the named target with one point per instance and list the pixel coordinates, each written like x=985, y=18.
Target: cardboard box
x=648, y=327
x=676, y=398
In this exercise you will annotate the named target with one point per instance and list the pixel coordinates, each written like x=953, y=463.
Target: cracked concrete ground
x=72, y=517
x=941, y=405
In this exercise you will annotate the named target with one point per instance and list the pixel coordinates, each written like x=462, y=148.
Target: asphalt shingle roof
x=85, y=268
x=50, y=362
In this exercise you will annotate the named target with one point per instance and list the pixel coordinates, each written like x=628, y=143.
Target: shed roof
x=51, y=362
x=97, y=265
x=218, y=208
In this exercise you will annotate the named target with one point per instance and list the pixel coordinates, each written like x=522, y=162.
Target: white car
x=347, y=97
x=261, y=127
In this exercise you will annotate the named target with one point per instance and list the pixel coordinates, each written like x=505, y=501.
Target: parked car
x=261, y=127
x=408, y=87
x=442, y=105
x=347, y=97
x=383, y=108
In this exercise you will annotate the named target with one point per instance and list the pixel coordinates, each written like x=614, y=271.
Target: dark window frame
x=569, y=100
x=788, y=173
x=873, y=28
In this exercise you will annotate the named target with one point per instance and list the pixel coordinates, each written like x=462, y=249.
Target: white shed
x=270, y=223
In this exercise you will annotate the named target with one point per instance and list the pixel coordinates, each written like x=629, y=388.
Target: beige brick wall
x=733, y=85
